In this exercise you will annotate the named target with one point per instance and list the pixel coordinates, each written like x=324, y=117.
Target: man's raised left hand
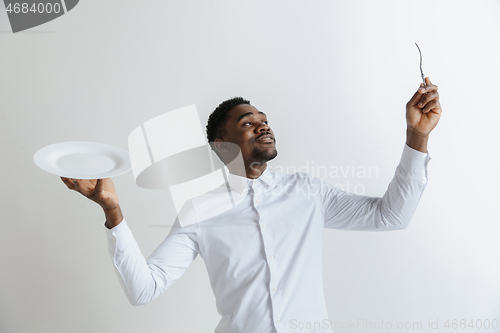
x=423, y=110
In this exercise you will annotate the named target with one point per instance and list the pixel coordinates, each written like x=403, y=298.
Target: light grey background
x=333, y=77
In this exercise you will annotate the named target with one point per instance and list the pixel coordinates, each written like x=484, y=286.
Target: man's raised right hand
x=101, y=191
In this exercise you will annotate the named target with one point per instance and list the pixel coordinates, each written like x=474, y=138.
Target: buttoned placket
x=267, y=229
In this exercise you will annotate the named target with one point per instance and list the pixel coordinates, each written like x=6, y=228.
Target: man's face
x=248, y=128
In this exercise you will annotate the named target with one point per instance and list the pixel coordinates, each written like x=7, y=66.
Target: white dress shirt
x=264, y=255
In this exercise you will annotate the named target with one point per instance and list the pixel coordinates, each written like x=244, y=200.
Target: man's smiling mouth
x=266, y=138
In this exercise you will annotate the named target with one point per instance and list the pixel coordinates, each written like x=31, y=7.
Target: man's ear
x=221, y=146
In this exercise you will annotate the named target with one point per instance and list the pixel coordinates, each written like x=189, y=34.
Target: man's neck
x=255, y=169
x=252, y=171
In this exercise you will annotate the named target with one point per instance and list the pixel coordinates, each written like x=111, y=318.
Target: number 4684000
x=34, y=8
x=477, y=324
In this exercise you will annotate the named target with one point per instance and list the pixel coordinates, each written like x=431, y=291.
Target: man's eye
x=247, y=123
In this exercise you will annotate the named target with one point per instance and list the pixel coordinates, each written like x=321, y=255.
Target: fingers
x=72, y=184
x=433, y=106
x=429, y=86
x=418, y=95
x=427, y=98
x=423, y=92
x=84, y=186
x=99, y=185
x=75, y=183
x=415, y=98
x=69, y=183
x=430, y=101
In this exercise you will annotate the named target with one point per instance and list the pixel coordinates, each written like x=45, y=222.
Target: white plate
x=84, y=160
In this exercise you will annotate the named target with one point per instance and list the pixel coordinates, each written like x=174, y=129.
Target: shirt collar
x=238, y=183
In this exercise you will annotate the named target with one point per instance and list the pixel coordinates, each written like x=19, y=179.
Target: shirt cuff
x=414, y=161
x=118, y=236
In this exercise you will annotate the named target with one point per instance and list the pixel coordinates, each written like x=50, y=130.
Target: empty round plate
x=84, y=160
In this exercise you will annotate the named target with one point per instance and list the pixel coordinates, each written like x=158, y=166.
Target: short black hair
x=217, y=120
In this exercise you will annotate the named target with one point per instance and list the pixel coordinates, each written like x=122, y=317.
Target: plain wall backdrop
x=333, y=77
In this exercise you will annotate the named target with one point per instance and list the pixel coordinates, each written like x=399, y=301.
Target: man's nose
x=263, y=127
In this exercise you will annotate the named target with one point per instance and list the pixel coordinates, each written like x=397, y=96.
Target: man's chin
x=264, y=155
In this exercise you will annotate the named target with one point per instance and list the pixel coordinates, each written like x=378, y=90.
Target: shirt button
x=271, y=256
x=263, y=225
x=274, y=288
x=278, y=320
x=256, y=201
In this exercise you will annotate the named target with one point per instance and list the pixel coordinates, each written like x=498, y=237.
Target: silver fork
x=421, y=72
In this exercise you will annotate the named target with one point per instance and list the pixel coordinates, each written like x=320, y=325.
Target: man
x=264, y=254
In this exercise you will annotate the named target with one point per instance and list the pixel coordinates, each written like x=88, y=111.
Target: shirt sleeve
x=349, y=211
x=144, y=280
